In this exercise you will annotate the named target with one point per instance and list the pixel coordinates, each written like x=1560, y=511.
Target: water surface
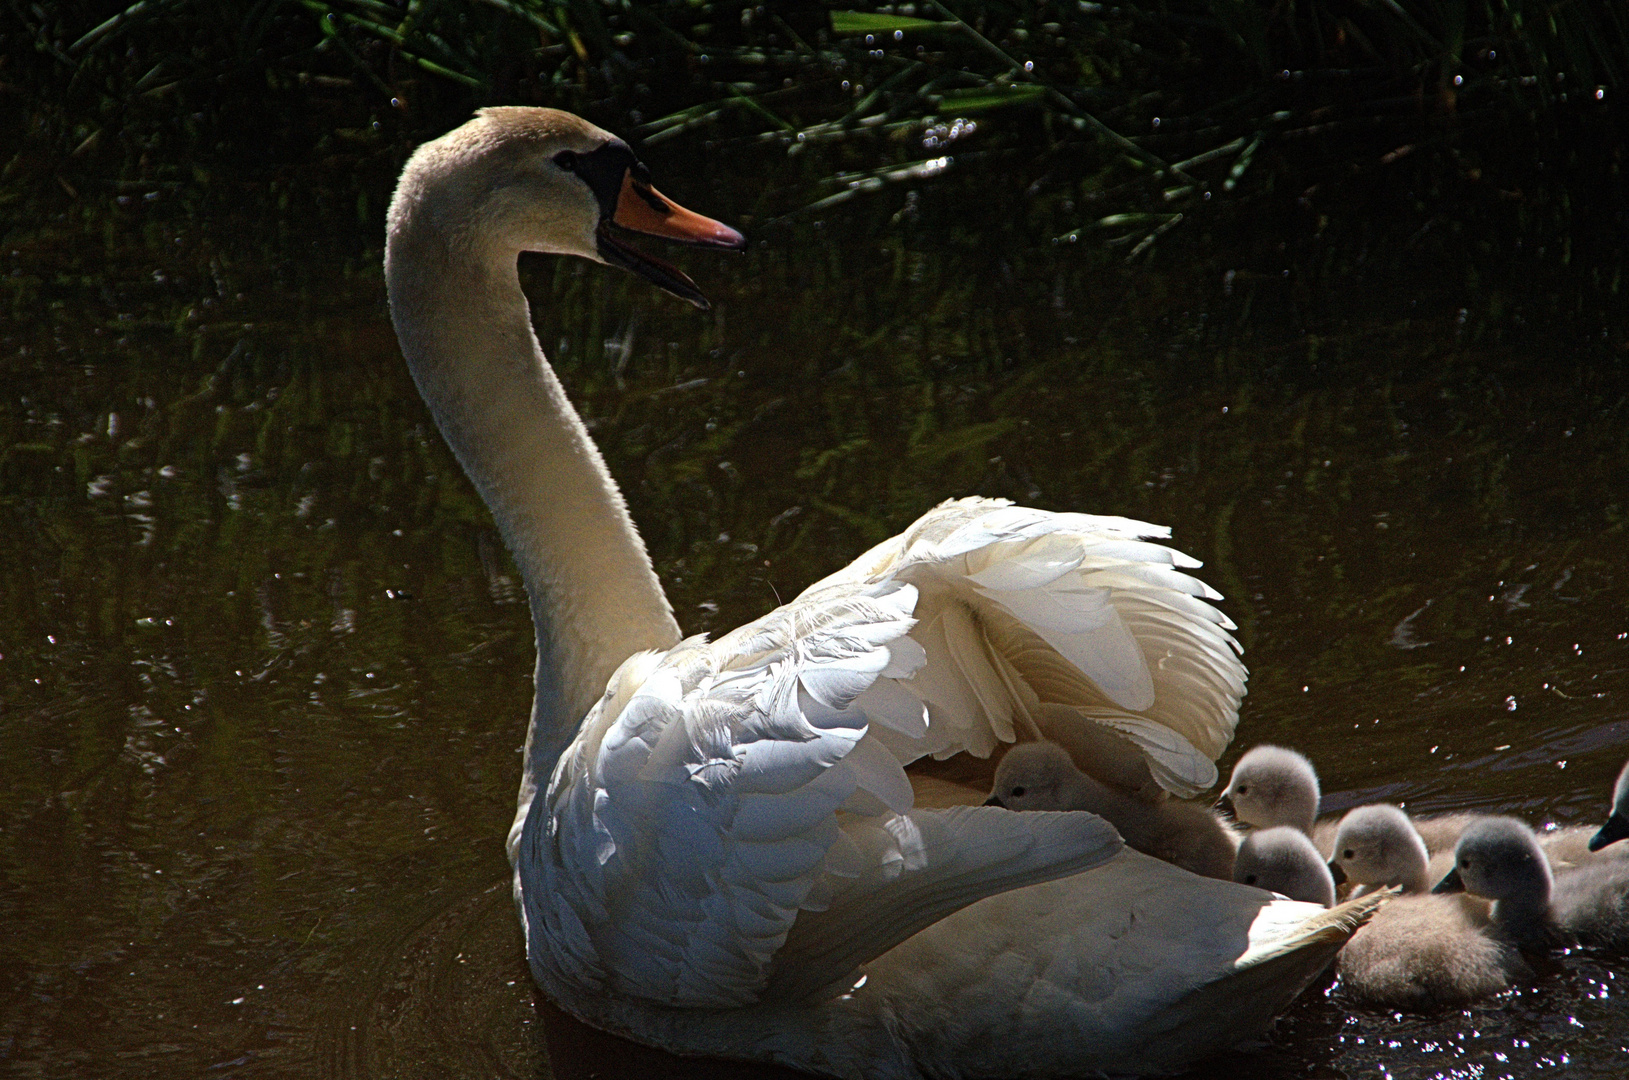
x=264, y=663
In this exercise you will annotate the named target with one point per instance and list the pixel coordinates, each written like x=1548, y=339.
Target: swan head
x=1499, y=859
x=1036, y=776
x=519, y=179
x=1272, y=785
x=1378, y=845
x=1282, y=860
x=1617, y=826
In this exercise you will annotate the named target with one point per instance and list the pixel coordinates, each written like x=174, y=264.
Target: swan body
x=1282, y=860
x=717, y=849
x=1042, y=776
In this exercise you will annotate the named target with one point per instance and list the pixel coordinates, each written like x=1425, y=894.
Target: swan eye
x=1249, y=879
x=1018, y=791
x=567, y=160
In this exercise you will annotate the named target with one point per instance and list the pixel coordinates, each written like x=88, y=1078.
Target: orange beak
x=641, y=208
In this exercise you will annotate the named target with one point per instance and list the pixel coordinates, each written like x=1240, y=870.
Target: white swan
x=716, y=850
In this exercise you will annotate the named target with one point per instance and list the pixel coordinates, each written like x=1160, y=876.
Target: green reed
x=1137, y=116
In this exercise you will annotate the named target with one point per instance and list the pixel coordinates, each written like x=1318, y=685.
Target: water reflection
x=265, y=664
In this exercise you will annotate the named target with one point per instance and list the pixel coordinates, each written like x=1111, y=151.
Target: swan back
x=1377, y=846
x=1283, y=860
x=1273, y=785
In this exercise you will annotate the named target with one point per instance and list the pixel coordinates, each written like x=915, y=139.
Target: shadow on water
x=264, y=664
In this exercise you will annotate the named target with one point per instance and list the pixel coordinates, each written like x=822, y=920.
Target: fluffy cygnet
x=1500, y=858
x=1272, y=785
x=1617, y=826
x=1426, y=952
x=1440, y=951
x=1283, y=860
x=1042, y=776
x=1378, y=847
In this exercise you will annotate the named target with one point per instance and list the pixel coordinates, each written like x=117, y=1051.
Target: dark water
x=265, y=664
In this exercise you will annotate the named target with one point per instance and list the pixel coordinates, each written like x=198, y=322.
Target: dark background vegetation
x=1328, y=136
x=1348, y=317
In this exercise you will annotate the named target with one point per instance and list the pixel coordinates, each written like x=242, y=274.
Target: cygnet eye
x=1249, y=879
x=1347, y=854
x=567, y=160
x=1243, y=789
x=1018, y=791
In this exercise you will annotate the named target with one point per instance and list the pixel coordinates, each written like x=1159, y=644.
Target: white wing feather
x=1022, y=609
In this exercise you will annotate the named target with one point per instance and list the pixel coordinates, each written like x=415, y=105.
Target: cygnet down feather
x=1283, y=860
x=1042, y=776
x=1378, y=847
x=1500, y=859
x=1273, y=785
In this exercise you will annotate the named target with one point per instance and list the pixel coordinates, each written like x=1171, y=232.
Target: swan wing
x=919, y=867
x=721, y=793
x=1070, y=627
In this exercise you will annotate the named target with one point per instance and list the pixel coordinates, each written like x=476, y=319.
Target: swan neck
x=466, y=331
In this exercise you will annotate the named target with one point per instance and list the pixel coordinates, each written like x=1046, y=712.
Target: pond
x=264, y=663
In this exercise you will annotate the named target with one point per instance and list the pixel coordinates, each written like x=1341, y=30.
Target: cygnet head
x=519, y=179
x=1274, y=786
x=1037, y=776
x=1499, y=859
x=1282, y=860
x=1378, y=846
x=1617, y=826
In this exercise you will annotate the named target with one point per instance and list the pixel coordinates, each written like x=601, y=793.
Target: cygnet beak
x=995, y=800
x=1615, y=829
x=1224, y=803
x=1337, y=873
x=1450, y=884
